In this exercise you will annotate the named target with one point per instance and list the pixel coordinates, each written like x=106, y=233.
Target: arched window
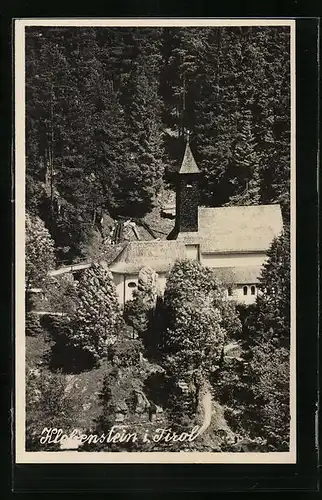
x=245, y=290
x=230, y=291
x=131, y=284
x=253, y=290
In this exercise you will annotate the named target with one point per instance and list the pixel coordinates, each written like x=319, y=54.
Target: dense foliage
x=107, y=109
x=196, y=331
x=50, y=404
x=256, y=391
x=39, y=251
x=97, y=321
x=88, y=321
x=272, y=315
x=237, y=391
x=32, y=324
x=138, y=311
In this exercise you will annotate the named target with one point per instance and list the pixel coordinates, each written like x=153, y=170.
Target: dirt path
x=205, y=404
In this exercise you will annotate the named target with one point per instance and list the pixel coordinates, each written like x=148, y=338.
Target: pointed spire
x=188, y=165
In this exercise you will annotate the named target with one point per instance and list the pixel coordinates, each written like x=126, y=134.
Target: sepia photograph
x=155, y=241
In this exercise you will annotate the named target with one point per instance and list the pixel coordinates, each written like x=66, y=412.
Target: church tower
x=187, y=194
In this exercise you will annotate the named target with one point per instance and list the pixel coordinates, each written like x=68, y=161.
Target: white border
x=23, y=456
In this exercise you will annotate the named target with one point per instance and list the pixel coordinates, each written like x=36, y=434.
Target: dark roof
x=236, y=229
x=188, y=165
x=241, y=275
x=160, y=226
x=160, y=255
x=135, y=232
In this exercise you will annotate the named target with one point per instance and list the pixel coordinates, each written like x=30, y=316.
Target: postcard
x=155, y=240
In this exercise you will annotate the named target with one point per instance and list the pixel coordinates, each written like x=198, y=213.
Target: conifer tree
x=257, y=391
x=105, y=108
x=97, y=322
x=270, y=330
x=270, y=320
x=246, y=165
x=142, y=176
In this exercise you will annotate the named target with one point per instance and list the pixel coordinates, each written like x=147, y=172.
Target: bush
x=126, y=352
x=138, y=312
x=49, y=403
x=93, y=322
x=64, y=355
x=271, y=388
x=39, y=251
x=33, y=325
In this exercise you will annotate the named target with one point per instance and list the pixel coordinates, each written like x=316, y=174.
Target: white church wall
x=192, y=252
x=233, y=259
x=131, y=283
x=126, y=284
x=125, y=292
x=119, y=284
x=161, y=283
x=239, y=296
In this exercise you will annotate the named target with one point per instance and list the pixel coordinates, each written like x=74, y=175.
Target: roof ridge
x=151, y=242
x=115, y=260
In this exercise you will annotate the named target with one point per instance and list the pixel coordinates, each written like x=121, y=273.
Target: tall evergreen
x=107, y=109
x=143, y=172
x=246, y=164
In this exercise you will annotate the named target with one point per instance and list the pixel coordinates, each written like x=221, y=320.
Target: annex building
x=233, y=241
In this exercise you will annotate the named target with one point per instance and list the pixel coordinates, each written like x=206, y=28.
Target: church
x=233, y=241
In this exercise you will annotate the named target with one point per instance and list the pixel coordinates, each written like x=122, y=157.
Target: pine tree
x=110, y=151
x=257, y=392
x=217, y=113
x=141, y=178
x=270, y=320
x=105, y=109
x=246, y=165
x=139, y=96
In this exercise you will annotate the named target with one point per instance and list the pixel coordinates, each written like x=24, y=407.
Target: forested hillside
x=189, y=358
x=107, y=110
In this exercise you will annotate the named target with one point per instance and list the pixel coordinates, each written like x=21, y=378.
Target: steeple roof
x=188, y=165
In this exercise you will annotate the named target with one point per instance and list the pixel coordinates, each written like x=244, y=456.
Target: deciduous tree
x=195, y=332
x=39, y=251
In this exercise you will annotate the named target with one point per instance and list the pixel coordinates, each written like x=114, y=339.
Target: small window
x=230, y=291
x=253, y=290
x=131, y=284
x=245, y=290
